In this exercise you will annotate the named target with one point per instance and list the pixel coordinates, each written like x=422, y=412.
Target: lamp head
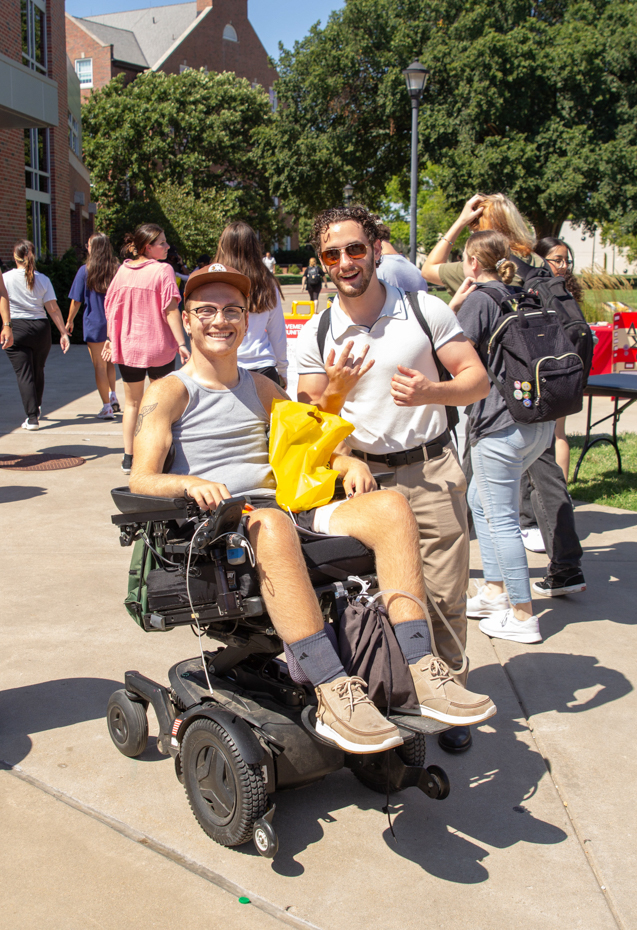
x=416, y=79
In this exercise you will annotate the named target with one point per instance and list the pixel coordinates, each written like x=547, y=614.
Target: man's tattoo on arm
x=140, y=419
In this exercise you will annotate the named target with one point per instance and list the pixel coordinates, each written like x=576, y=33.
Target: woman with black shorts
x=145, y=330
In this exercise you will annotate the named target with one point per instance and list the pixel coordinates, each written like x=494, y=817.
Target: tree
x=164, y=141
x=535, y=98
x=434, y=216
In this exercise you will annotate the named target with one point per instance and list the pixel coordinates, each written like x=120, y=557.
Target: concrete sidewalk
x=538, y=831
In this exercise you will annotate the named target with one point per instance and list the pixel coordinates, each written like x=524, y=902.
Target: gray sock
x=413, y=638
x=318, y=658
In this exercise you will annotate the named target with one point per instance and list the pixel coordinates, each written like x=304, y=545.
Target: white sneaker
x=532, y=539
x=31, y=423
x=481, y=606
x=106, y=413
x=503, y=625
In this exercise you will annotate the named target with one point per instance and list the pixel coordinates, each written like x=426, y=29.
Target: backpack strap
x=321, y=333
x=453, y=417
x=424, y=325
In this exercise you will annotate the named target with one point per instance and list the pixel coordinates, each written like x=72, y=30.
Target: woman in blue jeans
x=501, y=451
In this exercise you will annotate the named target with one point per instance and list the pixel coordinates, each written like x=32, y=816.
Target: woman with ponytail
x=89, y=288
x=145, y=329
x=31, y=297
x=501, y=451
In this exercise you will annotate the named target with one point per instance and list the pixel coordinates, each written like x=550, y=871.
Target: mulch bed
x=40, y=461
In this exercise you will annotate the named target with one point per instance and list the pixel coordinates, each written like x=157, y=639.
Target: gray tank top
x=221, y=436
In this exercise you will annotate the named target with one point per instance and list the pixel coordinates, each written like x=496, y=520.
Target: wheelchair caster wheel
x=439, y=777
x=265, y=839
x=127, y=724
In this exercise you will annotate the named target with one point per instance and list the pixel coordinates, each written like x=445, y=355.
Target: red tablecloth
x=603, y=353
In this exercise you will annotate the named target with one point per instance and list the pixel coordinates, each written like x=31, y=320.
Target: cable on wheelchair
x=162, y=558
x=456, y=671
x=193, y=612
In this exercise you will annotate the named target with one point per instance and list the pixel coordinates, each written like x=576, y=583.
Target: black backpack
x=313, y=276
x=554, y=296
x=453, y=417
x=544, y=375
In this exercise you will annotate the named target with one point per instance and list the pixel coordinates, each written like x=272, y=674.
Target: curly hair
x=371, y=223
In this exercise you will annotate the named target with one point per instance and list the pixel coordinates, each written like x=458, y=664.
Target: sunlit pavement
x=538, y=831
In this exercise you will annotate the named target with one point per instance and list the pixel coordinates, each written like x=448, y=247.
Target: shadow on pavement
x=11, y=493
x=489, y=788
x=550, y=681
x=84, y=450
x=49, y=705
x=593, y=522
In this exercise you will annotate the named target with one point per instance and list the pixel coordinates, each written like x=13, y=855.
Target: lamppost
x=416, y=78
x=348, y=193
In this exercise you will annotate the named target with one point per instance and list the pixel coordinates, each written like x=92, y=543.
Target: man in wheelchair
x=216, y=415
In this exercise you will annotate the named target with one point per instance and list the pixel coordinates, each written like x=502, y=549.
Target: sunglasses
x=231, y=314
x=353, y=250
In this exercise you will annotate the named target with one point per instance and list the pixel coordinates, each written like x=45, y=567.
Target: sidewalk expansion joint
x=579, y=835
x=143, y=839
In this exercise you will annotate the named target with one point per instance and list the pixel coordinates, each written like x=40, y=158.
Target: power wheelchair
x=238, y=727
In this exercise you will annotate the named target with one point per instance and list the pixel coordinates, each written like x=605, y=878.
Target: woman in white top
x=31, y=297
x=264, y=347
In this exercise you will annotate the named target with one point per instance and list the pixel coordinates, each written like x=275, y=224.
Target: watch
x=9, y=324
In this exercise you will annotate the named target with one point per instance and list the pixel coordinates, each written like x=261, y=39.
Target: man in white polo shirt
x=377, y=369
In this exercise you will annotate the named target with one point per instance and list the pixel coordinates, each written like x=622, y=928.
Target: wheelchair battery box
x=167, y=590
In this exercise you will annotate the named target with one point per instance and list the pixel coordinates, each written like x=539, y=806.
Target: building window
x=230, y=33
x=84, y=71
x=74, y=136
x=36, y=160
x=33, y=19
x=273, y=99
x=39, y=227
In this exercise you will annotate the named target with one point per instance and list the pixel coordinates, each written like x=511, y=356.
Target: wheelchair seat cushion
x=334, y=558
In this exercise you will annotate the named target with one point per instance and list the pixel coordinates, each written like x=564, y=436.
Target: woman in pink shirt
x=144, y=323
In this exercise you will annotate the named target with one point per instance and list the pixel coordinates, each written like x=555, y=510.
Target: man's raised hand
x=345, y=372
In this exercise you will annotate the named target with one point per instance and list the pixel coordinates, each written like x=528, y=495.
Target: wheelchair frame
x=245, y=729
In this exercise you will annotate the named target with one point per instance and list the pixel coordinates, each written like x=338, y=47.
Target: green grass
x=598, y=481
x=593, y=300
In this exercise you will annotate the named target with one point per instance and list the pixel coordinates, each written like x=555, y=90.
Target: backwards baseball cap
x=221, y=274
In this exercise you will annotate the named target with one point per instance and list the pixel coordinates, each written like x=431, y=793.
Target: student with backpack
x=546, y=511
x=509, y=429
x=313, y=280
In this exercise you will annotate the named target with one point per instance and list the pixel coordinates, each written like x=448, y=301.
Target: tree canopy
x=165, y=145
x=534, y=98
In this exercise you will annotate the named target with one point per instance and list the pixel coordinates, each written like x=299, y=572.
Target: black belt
x=430, y=450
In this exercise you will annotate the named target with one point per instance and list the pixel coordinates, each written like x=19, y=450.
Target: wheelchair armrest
x=145, y=505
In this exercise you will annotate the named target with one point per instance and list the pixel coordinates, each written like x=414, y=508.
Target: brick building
x=169, y=39
x=45, y=194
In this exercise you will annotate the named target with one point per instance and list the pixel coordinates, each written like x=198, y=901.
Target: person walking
x=31, y=297
x=501, y=451
x=145, y=329
x=6, y=333
x=312, y=280
x=269, y=261
x=264, y=347
x=89, y=288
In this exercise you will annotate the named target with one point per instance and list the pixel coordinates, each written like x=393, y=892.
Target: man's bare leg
x=383, y=521
x=344, y=715
x=285, y=583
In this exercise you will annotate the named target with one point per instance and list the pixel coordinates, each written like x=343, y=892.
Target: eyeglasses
x=566, y=262
x=353, y=250
x=231, y=313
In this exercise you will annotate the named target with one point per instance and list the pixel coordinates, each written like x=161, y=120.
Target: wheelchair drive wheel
x=372, y=770
x=226, y=794
x=127, y=724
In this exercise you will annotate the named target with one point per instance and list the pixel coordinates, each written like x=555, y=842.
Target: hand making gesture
x=346, y=372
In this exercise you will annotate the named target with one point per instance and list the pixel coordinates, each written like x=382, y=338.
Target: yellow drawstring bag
x=302, y=439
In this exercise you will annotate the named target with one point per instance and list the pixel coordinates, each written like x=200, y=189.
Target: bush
x=294, y=269
x=298, y=256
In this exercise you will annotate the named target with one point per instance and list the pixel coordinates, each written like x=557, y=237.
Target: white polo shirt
x=396, y=338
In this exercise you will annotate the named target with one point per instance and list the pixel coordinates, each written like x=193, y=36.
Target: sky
x=274, y=20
